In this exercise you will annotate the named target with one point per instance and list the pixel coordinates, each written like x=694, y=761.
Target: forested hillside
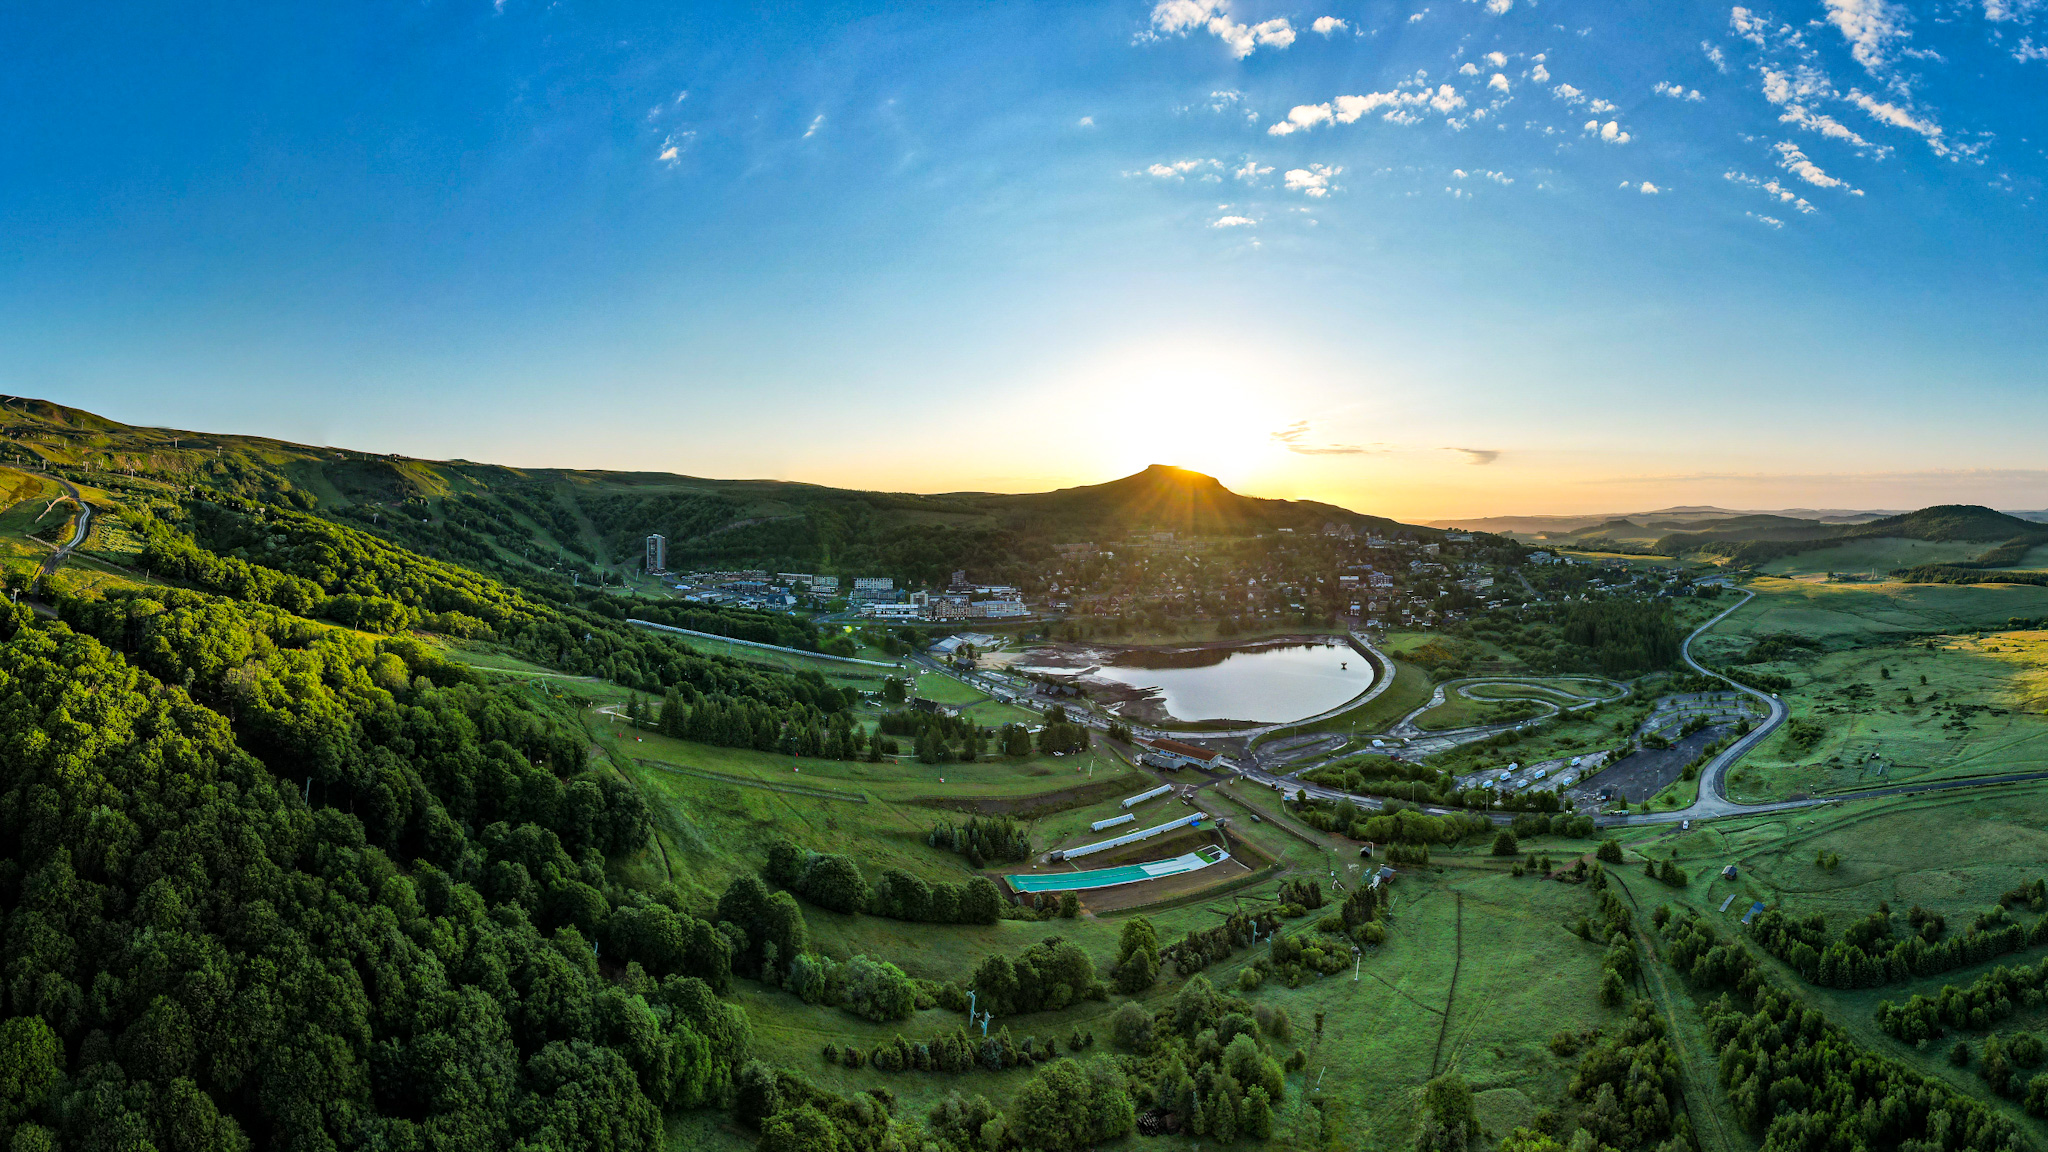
x=280, y=876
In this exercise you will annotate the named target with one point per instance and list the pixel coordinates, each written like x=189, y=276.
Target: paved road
x=1713, y=803
x=79, y=532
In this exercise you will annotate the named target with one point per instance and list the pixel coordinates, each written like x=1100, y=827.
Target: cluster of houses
x=960, y=601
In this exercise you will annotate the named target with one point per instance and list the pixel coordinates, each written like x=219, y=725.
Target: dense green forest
x=279, y=883
x=1622, y=638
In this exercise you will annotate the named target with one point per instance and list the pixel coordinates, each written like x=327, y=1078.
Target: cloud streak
x=1295, y=438
x=1478, y=456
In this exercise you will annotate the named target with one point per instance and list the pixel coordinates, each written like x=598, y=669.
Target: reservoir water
x=1268, y=684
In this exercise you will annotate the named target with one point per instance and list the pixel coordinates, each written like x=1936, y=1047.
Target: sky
x=1422, y=259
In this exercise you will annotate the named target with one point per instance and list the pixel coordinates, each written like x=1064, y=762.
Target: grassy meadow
x=1952, y=854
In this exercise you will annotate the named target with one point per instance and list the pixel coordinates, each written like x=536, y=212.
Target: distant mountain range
x=1686, y=515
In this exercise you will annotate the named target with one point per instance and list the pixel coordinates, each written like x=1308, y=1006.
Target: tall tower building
x=657, y=555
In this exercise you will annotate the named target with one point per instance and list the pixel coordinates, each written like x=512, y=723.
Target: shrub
x=1131, y=1028
x=1505, y=844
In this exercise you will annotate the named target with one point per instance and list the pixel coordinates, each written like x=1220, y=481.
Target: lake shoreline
x=1111, y=673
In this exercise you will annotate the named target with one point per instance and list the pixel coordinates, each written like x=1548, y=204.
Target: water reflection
x=1271, y=684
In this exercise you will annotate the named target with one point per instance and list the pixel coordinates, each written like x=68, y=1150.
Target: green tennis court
x=1123, y=874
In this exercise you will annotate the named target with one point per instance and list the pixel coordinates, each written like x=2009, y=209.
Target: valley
x=724, y=853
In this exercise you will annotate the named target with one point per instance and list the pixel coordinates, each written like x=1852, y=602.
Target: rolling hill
x=520, y=521
x=1763, y=539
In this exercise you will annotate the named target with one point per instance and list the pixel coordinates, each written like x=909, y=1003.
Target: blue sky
x=1441, y=258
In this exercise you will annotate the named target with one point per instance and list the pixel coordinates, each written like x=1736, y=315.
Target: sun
x=1195, y=411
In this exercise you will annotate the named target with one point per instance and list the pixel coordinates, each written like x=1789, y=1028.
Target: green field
x=1951, y=854
x=1879, y=554
x=1906, y=672
x=1845, y=614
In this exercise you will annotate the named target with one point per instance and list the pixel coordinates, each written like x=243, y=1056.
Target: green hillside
x=523, y=523
x=1757, y=540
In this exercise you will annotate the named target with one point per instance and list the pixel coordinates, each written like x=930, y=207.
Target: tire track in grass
x=1650, y=980
x=1451, y=997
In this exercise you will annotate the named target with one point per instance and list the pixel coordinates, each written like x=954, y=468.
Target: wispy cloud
x=817, y=122
x=1792, y=160
x=1478, y=455
x=1178, y=170
x=1885, y=112
x=1295, y=438
x=1232, y=222
x=1770, y=187
x=1676, y=91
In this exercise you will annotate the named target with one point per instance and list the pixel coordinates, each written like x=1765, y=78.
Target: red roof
x=1180, y=749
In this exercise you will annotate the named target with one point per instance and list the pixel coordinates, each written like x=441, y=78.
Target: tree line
x=1797, y=1081
x=1870, y=953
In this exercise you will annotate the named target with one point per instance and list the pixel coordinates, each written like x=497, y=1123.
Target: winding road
x=1713, y=802
x=79, y=532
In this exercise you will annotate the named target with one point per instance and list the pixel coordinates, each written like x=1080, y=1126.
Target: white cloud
x=1250, y=171
x=1887, y=113
x=1676, y=91
x=2001, y=11
x=1232, y=222
x=817, y=122
x=1649, y=189
x=1179, y=17
x=1792, y=160
x=1599, y=106
x=2028, y=50
x=1870, y=27
x=1610, y=132
x=1770, y=221
x=1179, y=168
x=1790, y=90
x=1468, y=68
x=1498, y=83
x=1497, y=59
x=1714, y=54
x=1540, y=74
x=1568, y=94
x=1770, y=188
x=1747, y=25
x=1313, y=180
x=1348, y=109
x=1499, y=6
x=1300, y=118
x=1482, y=174
x=1414, y=18
x=1085, y=122
x=1329, y=25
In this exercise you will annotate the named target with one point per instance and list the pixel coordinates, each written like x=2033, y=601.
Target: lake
x=1268, y=684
